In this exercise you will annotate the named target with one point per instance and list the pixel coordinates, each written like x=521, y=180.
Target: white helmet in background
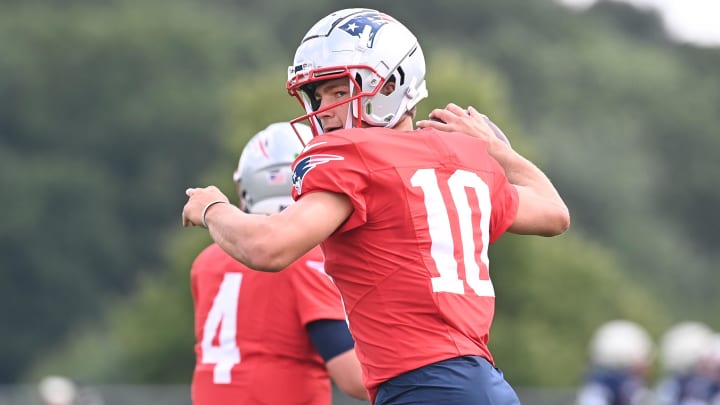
x=711, y=356
x=621, y=344
x=683, y=344
x=57, y=390
x=370, y=48
x=264, y=175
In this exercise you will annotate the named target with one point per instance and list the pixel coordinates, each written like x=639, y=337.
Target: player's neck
x=405, y=123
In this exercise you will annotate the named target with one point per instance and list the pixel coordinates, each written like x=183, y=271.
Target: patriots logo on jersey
x=304, y=165
x=369, y=22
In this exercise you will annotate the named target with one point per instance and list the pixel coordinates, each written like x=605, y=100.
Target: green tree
x=107, y=111
x=148, y=336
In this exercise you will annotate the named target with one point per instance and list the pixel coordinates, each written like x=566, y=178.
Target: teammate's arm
x=333, y=341
x=267, y=242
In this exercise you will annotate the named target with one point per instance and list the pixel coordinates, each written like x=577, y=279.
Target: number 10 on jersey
x=442, y=239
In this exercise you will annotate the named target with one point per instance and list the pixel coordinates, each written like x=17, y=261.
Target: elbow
x=265, y=256
x=266, y=266
x=560, y=223
x=266, y=260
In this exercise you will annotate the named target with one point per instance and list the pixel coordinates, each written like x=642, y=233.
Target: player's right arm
x=268, y=242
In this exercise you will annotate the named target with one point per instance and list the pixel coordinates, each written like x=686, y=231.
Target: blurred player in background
x=269, y=338
x=710, y=366
x=621, y=354
x=405, y=216
x=57, y=390
x=685, y=349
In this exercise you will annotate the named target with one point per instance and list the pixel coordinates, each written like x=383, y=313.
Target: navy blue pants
x=467, y=380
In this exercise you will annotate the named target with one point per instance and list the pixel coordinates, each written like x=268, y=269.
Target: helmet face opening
x=303, y=85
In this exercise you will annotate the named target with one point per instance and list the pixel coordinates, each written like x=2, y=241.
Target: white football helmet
x=621, y=344
x=370, y=49
x=683, y=344
x=263, y=175
x=57, y=390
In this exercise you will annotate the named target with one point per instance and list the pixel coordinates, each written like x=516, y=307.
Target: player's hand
x=198, y=199
x=454, y=118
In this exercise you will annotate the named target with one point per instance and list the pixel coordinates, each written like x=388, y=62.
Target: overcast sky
x=696, y=21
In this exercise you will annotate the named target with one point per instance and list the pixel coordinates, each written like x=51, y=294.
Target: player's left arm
x=541, y=209
x=267, y=243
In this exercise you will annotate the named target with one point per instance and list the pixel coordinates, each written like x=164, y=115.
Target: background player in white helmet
x=682, y=347
x=57, y=390
x=405, y=216
x=621, y=353
x=710, y=366
x=269, y=338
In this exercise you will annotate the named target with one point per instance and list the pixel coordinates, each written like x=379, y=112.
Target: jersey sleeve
x=505, y=201
x=316, y=294
x=332, y=163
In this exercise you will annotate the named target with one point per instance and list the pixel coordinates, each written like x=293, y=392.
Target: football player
x=405, y=216
x=269, y=338
x=682, y=348
x=621, y=354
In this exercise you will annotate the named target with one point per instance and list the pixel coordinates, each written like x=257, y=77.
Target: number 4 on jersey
x=223, y=316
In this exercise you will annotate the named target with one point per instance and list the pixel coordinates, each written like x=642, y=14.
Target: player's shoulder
x=453, y=138
x=457, y=145
x=326, y=147
x=339, y=137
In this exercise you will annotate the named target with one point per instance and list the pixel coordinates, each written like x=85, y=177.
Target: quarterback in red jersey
x=269, y=338
x=432, y=287
x=405, y=216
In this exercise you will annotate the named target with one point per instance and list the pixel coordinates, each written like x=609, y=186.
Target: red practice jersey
x=411, y=261
x=252, y=346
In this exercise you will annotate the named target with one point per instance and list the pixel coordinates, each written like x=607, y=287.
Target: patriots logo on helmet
x=370, y=21
x=304, y=165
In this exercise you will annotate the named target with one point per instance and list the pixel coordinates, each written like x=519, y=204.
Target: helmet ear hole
x=309, y=90
x=389, y=86
x=401, y=73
